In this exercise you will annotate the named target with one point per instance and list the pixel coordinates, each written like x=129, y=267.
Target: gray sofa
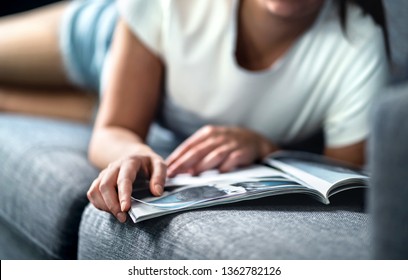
x=44, y=213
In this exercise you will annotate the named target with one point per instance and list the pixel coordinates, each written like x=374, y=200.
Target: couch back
x=397, y=18
x=388, y=147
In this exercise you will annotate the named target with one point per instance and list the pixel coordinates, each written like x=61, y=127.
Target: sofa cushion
x=13, y=246
x=389, y=164
x=396, y=14
x=44, y=178
x=282, y=227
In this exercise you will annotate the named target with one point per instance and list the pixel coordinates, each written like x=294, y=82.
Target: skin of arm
x=127, y=109
x=353, y=154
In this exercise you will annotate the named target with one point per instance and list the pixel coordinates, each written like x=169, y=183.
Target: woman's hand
x=129, y=105
x=111, y=191
x=219, y=147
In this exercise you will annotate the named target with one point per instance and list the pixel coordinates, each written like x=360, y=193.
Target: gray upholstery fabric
x=388, y=148
x=396, y=13
x=284, y=227
x=389, y=164
x=42, y=199
x=14, y=245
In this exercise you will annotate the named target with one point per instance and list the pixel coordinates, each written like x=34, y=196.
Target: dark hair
x=374, y=8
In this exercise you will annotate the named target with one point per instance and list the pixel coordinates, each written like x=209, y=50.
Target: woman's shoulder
x=359, y=37
x=359, y=27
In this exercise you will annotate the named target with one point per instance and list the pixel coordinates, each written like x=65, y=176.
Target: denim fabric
x=285, y=227
x=44, y=178
x=389, y=182
x=85, y=38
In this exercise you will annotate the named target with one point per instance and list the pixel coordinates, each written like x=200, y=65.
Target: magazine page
x=317, y=171
x=188, y=192
x=253, y=171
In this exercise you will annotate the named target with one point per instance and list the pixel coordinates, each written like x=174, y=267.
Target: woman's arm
x=354, y=154
x=127, y=109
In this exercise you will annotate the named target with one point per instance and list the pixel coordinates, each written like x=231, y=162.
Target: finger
x=235, y=159
x=158, y=178
x=95, y=197
x=182, y=149
x=126, y=177
x=213, y=159
x=107, y=187
x=198, y=137
x=192, y=157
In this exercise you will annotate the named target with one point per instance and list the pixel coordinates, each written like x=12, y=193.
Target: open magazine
x=281, y=173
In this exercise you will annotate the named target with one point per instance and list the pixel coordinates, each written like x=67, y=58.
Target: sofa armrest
x=389, y=166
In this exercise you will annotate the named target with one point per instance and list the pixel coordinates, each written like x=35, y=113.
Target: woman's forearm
x=109, y=144
x=129, y=103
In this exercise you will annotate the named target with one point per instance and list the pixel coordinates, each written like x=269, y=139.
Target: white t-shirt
x=328, y=79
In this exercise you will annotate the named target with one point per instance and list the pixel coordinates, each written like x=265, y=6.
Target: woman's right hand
x=111, y=191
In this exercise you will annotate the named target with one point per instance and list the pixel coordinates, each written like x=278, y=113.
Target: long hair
x=374, y=8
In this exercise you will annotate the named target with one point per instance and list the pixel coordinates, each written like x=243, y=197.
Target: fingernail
x=158, y=188
x=121, y=217
x=122, y=205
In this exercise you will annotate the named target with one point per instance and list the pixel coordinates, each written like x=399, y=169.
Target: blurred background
x=15, y=6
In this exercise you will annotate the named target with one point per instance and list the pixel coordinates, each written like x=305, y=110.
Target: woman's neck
x=262, y=38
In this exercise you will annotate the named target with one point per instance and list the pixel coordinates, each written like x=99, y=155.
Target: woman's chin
x=293, y=9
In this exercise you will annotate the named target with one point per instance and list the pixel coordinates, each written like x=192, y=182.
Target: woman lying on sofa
x=232, y=80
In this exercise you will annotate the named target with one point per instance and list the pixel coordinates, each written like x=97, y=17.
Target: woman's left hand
x=219, y=147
